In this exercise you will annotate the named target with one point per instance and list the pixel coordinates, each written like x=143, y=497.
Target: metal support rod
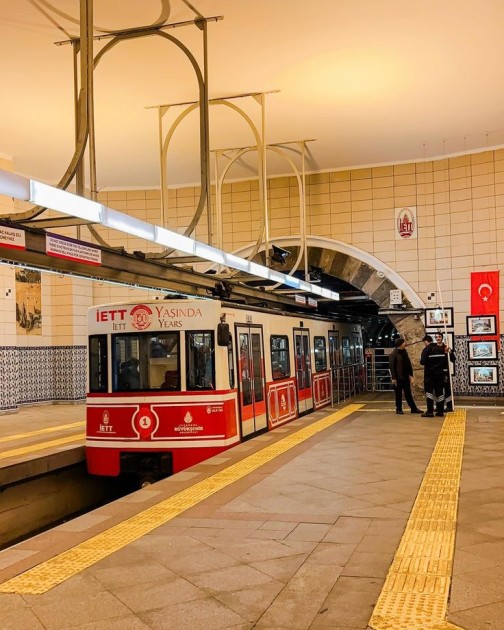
x=446, y=337
x=218, y=205
x=90, y=101
x=264, y=180
x=206, y=107
x=302, y=209
x=79, y=173
x=162, y=166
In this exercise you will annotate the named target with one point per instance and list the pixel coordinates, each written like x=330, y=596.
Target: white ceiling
x=372, y=82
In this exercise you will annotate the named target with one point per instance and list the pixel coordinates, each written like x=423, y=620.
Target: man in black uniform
x=402, y=375
x=435, y=361
x=448, y=401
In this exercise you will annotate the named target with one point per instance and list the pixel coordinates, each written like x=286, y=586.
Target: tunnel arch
x=363, y=271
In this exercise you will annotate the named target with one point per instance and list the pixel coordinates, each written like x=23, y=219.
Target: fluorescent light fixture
x=41, y=194
x=124, y=223
x=168, y=238
x=256, y=269
x=208, y=252
x=12, y=185
x=292, y=281
x=238, y=263
x=276, y=276
x=63, y=201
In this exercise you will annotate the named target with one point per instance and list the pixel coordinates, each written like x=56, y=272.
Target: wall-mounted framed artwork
x=481, y=325
x=482, y=350
x=483, y=375
x=448, y=338
x=438, y=317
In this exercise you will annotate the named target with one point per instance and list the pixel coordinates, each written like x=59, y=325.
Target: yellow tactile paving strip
x=60, y=568
x=416, y=590
x=40, y=446
x=53, y=429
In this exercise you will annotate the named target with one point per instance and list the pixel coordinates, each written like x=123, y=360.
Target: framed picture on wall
x=482, y=350
x=438, y=317
x=481, y=325
x=448, y=338
x=483, y=375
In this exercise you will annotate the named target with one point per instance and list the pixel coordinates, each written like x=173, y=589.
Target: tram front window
x=146, y=362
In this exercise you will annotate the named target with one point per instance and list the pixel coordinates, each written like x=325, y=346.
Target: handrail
x=347, y=381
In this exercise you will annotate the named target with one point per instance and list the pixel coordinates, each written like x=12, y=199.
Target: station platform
x=40, y=438
x=348, y=518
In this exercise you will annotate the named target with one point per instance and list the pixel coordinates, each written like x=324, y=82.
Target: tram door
x=303, y=371
x=334, y=358
x=251, y=379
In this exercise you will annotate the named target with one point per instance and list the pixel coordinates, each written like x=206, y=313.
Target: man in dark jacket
x=402, y=376
x=434, y=358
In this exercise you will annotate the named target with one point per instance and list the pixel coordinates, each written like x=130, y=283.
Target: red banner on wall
x=485, y=296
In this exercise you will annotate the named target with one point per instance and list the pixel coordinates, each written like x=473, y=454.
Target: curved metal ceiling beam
x=83, y=122
x=201, y=204
x=203, y=135
x=163, y=17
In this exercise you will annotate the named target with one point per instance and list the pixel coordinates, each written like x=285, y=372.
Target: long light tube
x=73, y=205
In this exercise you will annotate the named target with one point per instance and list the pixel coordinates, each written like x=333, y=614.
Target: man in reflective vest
x=435, y=361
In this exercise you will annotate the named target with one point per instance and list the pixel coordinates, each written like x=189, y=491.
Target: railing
x=378, y=377
x=347, y=381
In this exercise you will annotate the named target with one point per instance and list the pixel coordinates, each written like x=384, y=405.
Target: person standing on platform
x=448, y=400
x=402, y=376
x=434, y=358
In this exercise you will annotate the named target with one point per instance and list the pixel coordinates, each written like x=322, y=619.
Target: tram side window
x=257, y=365
x=230, y=363
x=280, y=362
x=98, y=372
x=244, y=369
x=347, y=352
x=146, y=362
x=334, y=348
x=319, y=346
x=357, y=344
x=200, y=360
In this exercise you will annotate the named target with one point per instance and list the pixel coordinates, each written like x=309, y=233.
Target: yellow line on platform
x=415, y=593
x=62, y=567
x=53, y=429
x=33, y=448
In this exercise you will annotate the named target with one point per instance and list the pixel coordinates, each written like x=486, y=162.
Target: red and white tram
x=174, y=382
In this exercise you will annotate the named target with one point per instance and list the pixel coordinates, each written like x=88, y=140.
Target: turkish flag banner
x=485, y=296
x=485, y=293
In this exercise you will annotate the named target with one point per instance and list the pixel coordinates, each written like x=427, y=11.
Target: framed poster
x=481, y=325
x=482, y=350
x=438, y=317
x=483, y=375
x=448, y=338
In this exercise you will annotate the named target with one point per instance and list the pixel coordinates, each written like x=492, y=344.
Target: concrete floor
x=303, y=542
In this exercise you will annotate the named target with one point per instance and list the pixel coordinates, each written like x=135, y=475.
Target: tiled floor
x=303, y=542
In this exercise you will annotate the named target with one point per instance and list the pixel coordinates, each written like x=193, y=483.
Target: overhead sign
x=13, y=238
x=312, y=302
x=300, y=299
x=71, y=249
